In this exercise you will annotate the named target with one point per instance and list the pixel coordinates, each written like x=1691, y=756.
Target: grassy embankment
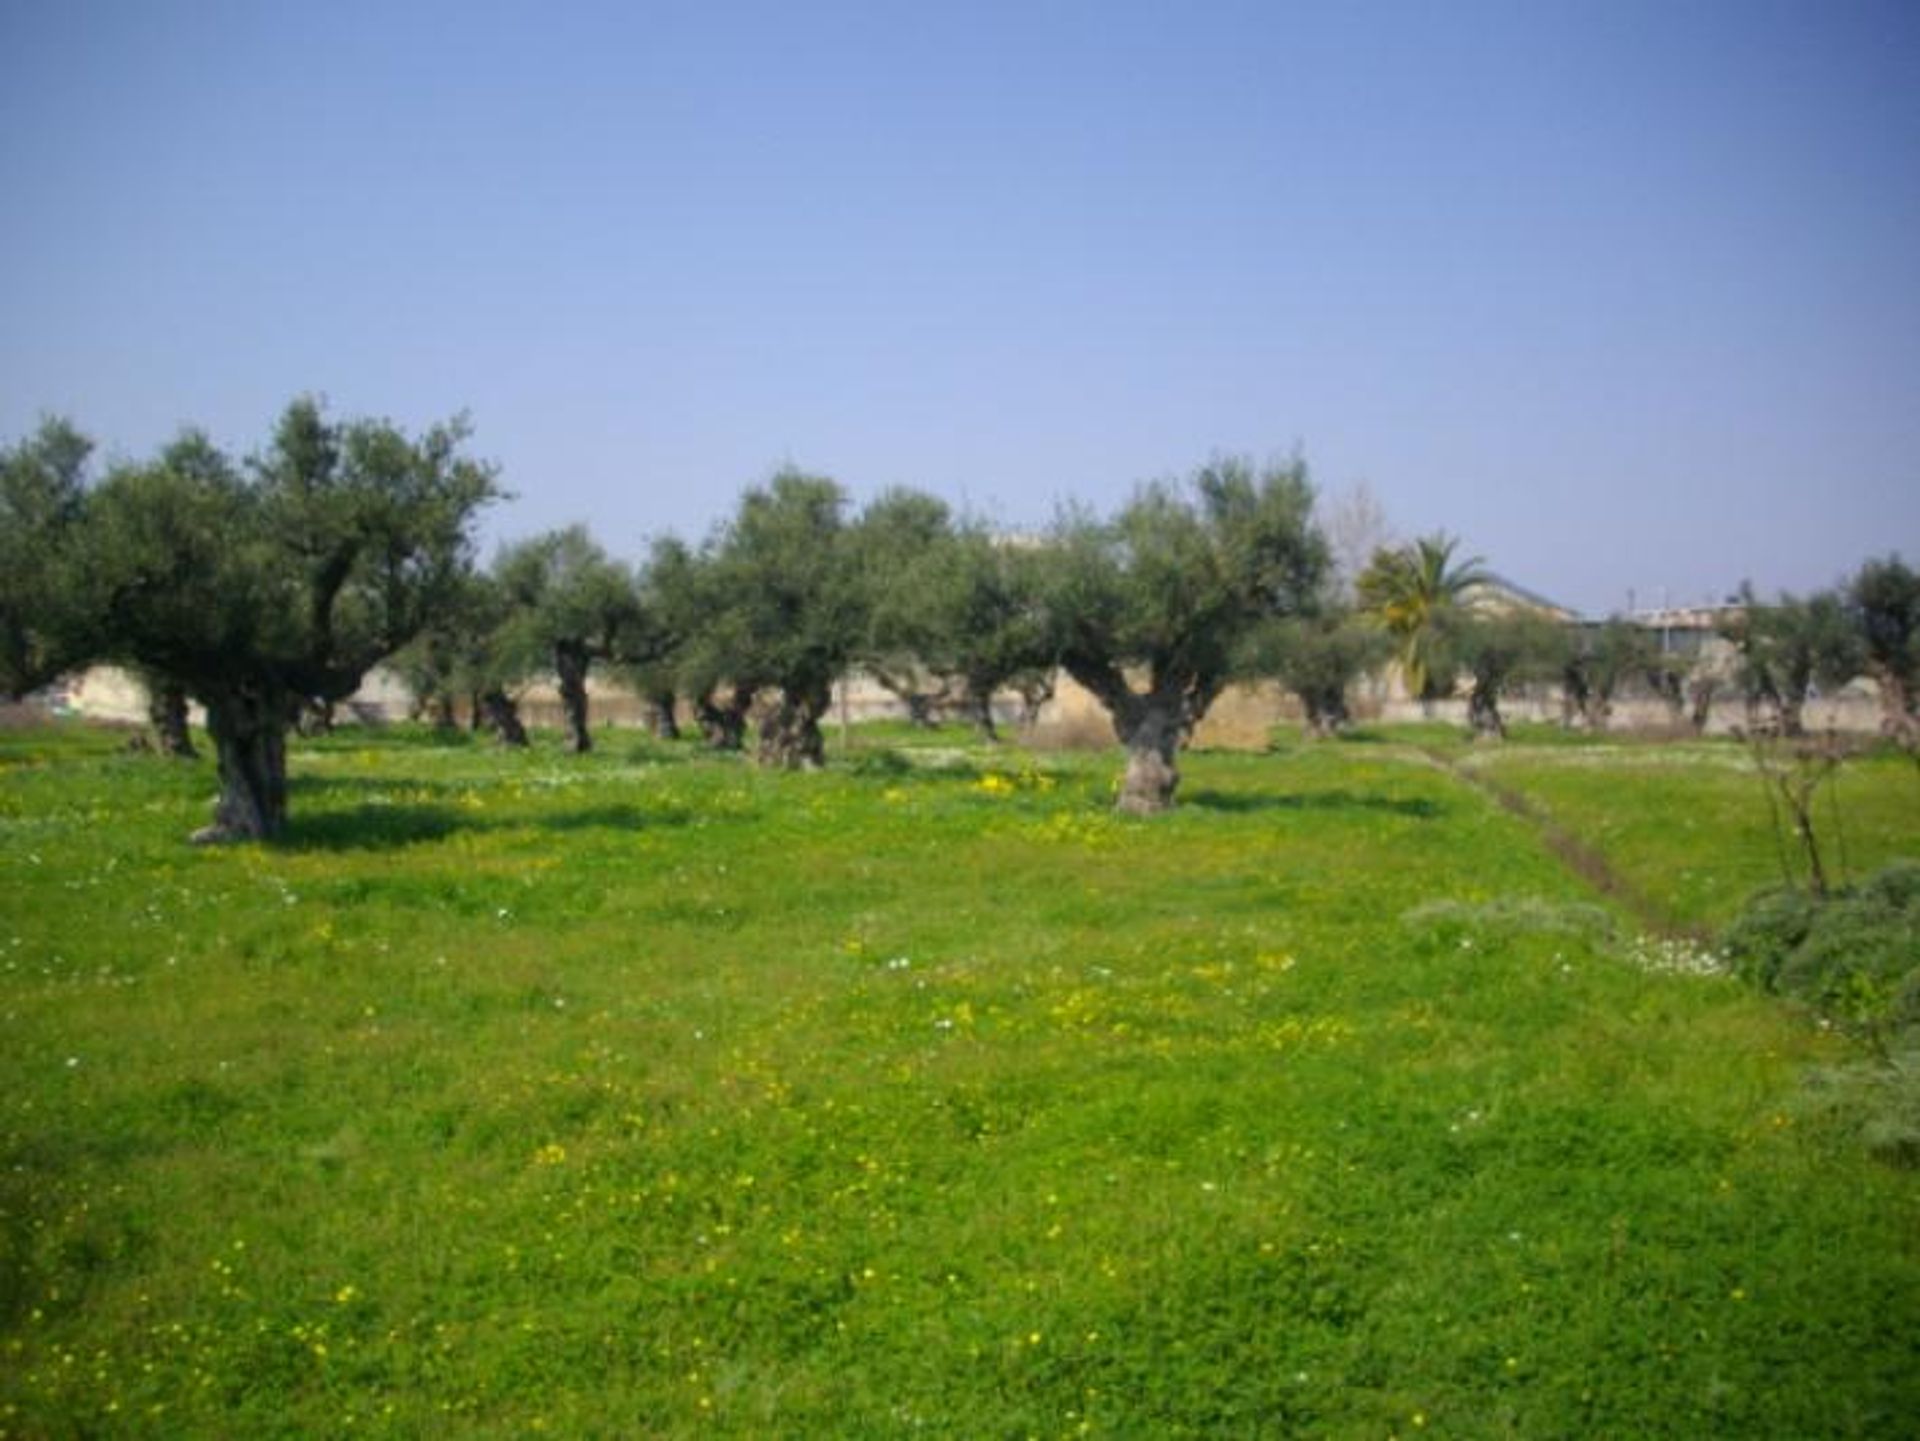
x=643, y=1093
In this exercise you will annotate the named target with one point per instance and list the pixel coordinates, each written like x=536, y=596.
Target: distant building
x=1501, y=596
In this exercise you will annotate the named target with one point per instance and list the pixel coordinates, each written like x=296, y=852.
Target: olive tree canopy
x=569, y=605
x=42, y=495
x=1318, y=657
x=1148, y=610
x=789, y=608
x=1884, y=598
x=283, y=581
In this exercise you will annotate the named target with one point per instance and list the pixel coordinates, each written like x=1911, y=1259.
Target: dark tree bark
x=249, y=730
x=315, y=717
x=1897, y=717
x=1153, y=734
x=1035, y=692
x=1700, y=704
x=1198, y=699
x=1483, y=714
x=979, y=704
x=1672, y=689
x=1792, y=716
x=502, y=717
x=724, y=721
x=1324, y=711
x=922, y=705
x=167, y=713
x=1152, y=726
x=660, y=717
x=790, y=736
x=440, y=707
x=570, y=663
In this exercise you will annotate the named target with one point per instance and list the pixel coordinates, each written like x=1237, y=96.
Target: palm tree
x=1410, y=589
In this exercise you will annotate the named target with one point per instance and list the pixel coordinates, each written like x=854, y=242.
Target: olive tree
x=671, y=652
x=957, y=609
x=167, y=715
x=1884, y=600
x=1318, y=658
x=1597, y=661
x=1807, y=642
x=1499, y=652
x=1748, y=668
x=902, y=542
x=570, y=605
x=697, y=645
x=265, y=586
x=991, y=631
x=789, y=611
x=471, y=648
x=1149, y=610
x=1788, y=646
x=42, y=499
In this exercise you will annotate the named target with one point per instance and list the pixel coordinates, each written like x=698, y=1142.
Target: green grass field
x=647, y=1094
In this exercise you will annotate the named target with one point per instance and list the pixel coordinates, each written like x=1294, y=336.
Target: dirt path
x=1570, y=850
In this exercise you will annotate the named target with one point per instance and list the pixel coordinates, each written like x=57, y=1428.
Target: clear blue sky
x=1626, y=295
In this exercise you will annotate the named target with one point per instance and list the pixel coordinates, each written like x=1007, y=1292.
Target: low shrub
x=884, y=762
x=1856, y=959
x=1855, y=956
x=1764, y=935
x=1878, y=1102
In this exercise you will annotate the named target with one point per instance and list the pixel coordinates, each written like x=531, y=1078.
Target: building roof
x=1498, y=593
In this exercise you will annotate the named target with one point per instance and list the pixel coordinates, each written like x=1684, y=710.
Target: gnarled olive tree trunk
x=1483, y=714
x=1672, y=690
x=1153, y=732
x=167, y=714
x=1153, y=725
x=570, y=664
x=314, y=717
x=1700, y=704
x=1897, y=702
x=1035, y=691
x=502, y=717
x=790, y=736
x=660, y=718
x=979, y=707
x=922, y=704
x=1325, y=712
x=724, y=721
x=249, y=730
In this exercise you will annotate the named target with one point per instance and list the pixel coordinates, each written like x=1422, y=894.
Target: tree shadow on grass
x=1418, y=808
x=612, y=817
x=391, y=827
x=373, y=828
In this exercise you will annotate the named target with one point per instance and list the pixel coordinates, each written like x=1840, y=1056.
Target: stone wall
x=1242, y=718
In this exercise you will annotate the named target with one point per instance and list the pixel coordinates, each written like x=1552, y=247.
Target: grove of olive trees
x=262, y=586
